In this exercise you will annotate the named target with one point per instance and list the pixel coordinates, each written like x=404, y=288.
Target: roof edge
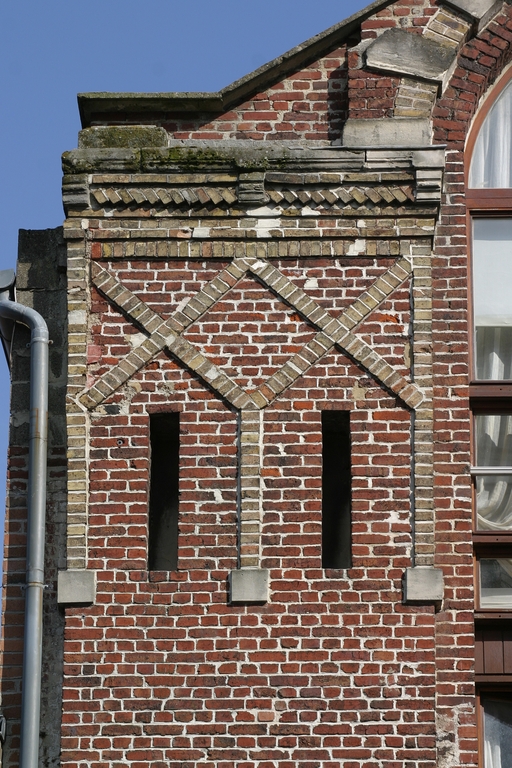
x=144, y=106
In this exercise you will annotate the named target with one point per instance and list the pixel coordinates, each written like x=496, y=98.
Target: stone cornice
x=247, y=156
x=198, y=174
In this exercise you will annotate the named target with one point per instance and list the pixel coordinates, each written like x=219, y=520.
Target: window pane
x=164, y=491
x=492, y=289
x=336, y=490
x=493, y=439
x=491, y=164
x=495, y=583
x=494, y=503
x=497, y=733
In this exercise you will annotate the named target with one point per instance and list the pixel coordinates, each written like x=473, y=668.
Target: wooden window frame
x=485, y=396
x=484, y=550
x=488, y=543
x=500, y=690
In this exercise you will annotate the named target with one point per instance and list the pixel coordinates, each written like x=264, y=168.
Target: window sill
x=491, y=537
x=483, y=390
x=489, y=614
x=486, y=680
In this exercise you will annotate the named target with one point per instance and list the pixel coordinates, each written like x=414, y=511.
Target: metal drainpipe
x=36, y=512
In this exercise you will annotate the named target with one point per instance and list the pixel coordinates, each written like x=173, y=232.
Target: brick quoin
x=250, y=293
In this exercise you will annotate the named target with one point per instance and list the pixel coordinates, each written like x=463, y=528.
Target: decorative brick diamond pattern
x=332, y=331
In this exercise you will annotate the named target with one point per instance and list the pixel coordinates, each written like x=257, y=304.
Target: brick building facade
x=266, y=414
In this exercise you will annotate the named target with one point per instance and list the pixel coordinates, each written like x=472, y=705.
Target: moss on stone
x=196, y=158
x=112, y=160
x=123, y=136
x=186, y=158
x=153, y=159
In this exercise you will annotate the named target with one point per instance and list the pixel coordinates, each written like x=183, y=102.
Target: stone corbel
x=75, y=192
x=429, y=166
x=251, y=188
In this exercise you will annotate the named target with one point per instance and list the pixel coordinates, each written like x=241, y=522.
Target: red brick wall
x=310, y=104
x=406, y=14
x=334, y=667
x=314, y=103
x=479, y=63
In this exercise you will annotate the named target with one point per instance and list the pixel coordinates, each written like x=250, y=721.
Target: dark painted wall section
x=41, y=284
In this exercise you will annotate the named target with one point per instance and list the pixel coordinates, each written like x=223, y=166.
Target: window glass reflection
x=492, y=306
x=497, y=733
x=491, y=164
x=495, y=582
x=494, y=503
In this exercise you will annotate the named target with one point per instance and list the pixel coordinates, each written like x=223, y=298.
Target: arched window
x=489, y=149
x=491, y=161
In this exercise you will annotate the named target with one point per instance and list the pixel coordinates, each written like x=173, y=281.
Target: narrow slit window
x=164, y=492
x=336, y=490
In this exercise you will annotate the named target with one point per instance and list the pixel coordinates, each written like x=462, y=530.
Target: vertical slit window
x=336, y=490
x=164, y=492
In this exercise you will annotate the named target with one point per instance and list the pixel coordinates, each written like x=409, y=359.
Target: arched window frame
x=479, y=199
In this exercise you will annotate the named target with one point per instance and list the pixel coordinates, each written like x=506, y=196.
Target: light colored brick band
x=423, y=438
x=77, y=419
x=249, y=506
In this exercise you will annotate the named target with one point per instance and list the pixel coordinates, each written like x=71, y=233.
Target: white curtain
x=494, y=352
x=491, y=164
x=494, y=492
x=492, y=757
x=497, y=733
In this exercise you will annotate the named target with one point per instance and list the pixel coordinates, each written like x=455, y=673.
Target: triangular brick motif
x=331, y=331
x=268, y=333
x=386, y=330
x=172, y=287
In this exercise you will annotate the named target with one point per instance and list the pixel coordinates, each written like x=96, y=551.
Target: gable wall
x=185, y=677
x=162, y=669
x=310, y=104
x=314, y=103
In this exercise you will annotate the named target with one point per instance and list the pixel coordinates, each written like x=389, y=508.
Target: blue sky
x=51, y=51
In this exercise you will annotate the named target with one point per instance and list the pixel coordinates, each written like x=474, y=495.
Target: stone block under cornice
x=476, y=10
x=406, y=53
x=249, y=585
x=387, y=132
x=126, y=136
